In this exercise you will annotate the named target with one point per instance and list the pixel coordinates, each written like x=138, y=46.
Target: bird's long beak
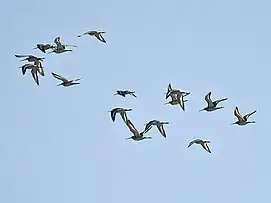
x=201, y=110
x=128, y=138
x=58, y=84
x=233, y=123
x=115, y=94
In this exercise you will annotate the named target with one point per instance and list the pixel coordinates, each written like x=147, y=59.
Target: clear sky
x=60, y=145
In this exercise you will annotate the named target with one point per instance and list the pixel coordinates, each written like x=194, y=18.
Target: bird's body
x=242, y=120
x=158, y=124
x=212, y=105
x=121, y=111
x=59, y=51
x=97, y=34
x=136, y=135
x=123, y=93
x=65, y=82
x=175, y=101
x=203, y=143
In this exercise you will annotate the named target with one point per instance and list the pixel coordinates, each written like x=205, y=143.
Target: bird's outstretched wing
x=59, y=77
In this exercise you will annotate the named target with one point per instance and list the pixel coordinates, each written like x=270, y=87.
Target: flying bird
x=212, y=105
x=30, y=67
x=44, y=47
x=123, y=93
x=97, y=34
x=29, y=58
x=203, y=143
x=172, y=92
x=178, y=98
x=242, y=120
x=136, y=135
x=121, y=111
x=65, y=82
x=60, y=48
x=34, y=71
x=158, y=124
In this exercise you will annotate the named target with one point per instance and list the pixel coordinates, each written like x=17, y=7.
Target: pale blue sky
x=59, y=144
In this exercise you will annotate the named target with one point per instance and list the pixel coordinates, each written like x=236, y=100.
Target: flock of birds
x=58, y=48
x=177, y=96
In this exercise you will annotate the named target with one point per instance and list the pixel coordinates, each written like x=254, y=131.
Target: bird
x=31, y=66
x=212, y=105
x=60, y=48
x=203, y=143
x=34, y=71
x=137, y=136
x=242, y=120
x=65, y=82
x=121, y=111
x=44, y=47
x=172, y=92
x=123, y=93
x=29, y=58
x=158, y=124
x=97, y=34
x=178, y=99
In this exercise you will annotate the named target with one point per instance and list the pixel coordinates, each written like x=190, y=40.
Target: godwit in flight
x=136, y=135
x=97, y=34
x=242, y=120
x=158, y=124
x=203, y=143
x=121, y=111
x=65, y=82
x=212, y=105
x=123, y=93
